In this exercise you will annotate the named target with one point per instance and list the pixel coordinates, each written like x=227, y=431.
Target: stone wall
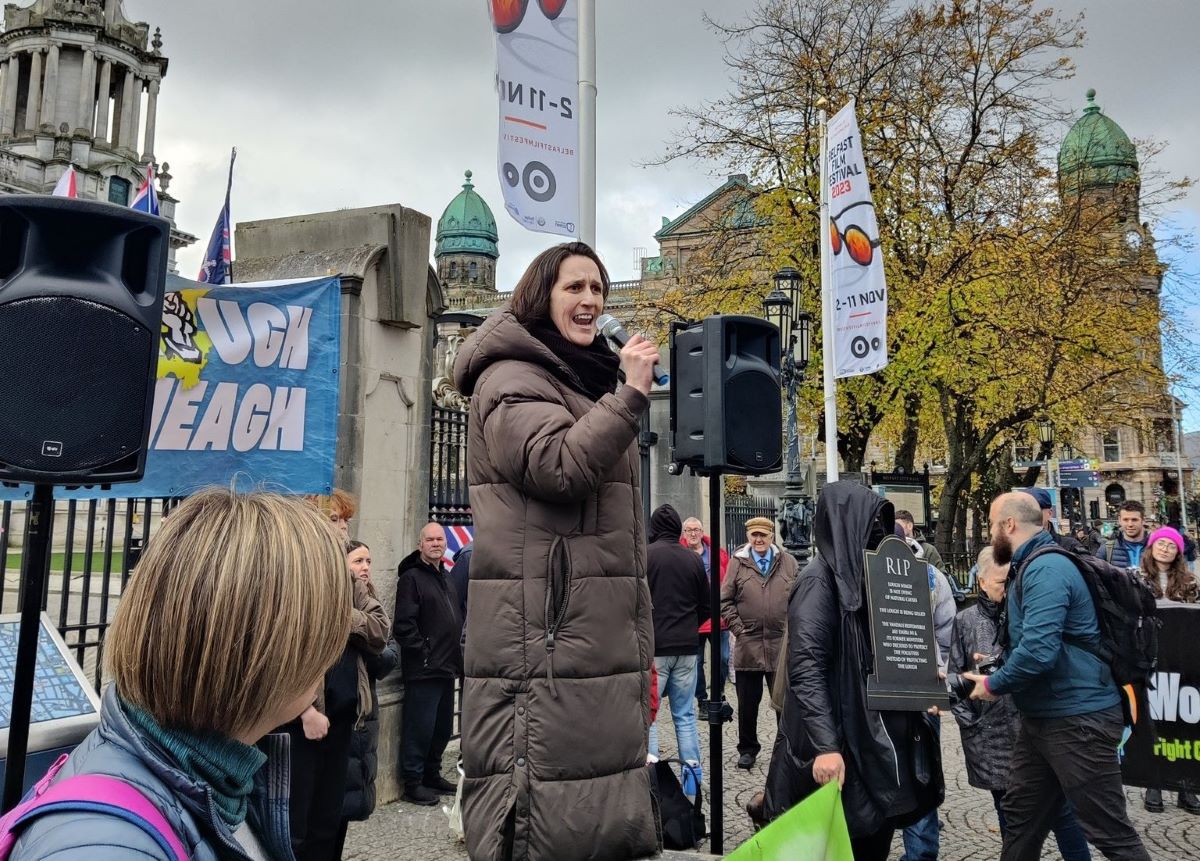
x=389, y=299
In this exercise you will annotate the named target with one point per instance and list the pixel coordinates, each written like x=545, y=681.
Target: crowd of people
x=246, y=650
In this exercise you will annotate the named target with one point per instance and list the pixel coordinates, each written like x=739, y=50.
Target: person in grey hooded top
x=237, y=608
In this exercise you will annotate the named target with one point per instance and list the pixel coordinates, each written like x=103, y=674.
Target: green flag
x=813, y=830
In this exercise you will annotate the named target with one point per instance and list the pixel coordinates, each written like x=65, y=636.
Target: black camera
x=960, y=687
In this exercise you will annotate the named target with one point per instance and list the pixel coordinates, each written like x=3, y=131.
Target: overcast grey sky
x=368, y=102
x=379, y=101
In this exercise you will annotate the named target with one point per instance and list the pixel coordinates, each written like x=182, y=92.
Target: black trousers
x=877, y=847
x=1073, y=757
x=425, y=728
x=319, y=788
x=749, y=687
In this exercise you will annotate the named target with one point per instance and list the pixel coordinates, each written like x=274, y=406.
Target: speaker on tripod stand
x=81, y=296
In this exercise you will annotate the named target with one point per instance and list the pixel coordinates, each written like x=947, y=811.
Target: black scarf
x=595, y=366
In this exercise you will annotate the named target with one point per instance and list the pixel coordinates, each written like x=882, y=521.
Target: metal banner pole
x=587, y=122
x=827, y=339
x=716, y=695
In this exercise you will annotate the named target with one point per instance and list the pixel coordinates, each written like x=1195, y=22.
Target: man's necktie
x=762, y=564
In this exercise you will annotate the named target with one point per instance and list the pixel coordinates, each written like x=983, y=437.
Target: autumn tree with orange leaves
x=1009, y=301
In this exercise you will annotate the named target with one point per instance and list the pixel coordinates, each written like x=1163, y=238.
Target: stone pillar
x=135, y=115
x=151, y=117
x=50, y=87
x=11, y=91
x=8, y=107
x=33, y=96
x=87, y=92
x=124, y=135
x=103, y=102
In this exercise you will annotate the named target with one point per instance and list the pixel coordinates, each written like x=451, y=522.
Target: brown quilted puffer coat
x=559, y=637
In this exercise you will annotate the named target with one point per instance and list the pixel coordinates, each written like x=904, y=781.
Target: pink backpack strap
x=94, y=793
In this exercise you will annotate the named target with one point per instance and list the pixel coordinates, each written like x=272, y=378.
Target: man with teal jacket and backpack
x=1071, y=715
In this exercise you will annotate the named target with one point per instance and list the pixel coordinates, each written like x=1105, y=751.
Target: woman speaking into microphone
x=558, y=643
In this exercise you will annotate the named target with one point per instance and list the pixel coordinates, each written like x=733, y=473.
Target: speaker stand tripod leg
x=38, y=515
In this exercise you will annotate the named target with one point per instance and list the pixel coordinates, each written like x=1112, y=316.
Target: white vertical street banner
x=859, y=291
x=537, y=81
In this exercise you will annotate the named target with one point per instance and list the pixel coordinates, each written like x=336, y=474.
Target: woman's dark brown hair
x=531, y=296
x=1181, y=584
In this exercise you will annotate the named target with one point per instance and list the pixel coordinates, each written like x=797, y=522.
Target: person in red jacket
x=696, y=540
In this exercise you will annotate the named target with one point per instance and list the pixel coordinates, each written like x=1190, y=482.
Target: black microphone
x=611, y=328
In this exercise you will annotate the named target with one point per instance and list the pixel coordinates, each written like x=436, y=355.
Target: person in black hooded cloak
x=889, y=763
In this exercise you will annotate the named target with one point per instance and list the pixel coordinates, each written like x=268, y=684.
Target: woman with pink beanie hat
x=1165, y=570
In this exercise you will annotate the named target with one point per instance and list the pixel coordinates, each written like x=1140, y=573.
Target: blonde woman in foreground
x=238, y=607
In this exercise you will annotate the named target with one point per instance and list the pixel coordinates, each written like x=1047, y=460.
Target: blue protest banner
x=247, y=391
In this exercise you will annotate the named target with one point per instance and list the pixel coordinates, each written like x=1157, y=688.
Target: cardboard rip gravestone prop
x=900, y=603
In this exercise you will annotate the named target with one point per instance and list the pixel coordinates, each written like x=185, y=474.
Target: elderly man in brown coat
x=754, y=601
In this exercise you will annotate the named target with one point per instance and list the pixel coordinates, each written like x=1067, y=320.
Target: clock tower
x=1098, y=169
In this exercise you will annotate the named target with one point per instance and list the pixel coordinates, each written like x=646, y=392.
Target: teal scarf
x=219, y=762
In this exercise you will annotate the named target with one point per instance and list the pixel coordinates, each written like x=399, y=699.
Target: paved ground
x=970, y=833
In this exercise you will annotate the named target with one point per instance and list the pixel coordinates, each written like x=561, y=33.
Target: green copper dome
x=1096, y=151
x=467, y=226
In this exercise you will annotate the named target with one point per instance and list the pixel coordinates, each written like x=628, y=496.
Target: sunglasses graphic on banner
x=859, y=246
x=507, y=15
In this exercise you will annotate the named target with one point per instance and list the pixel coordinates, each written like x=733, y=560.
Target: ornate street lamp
x=777, y=308
x=1046, y=437
x=803, y=339
x=1046, y=433
x=795, y=340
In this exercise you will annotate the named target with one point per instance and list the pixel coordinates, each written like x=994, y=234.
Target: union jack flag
x=146, y=199
x=217, y=267
x=457, y=537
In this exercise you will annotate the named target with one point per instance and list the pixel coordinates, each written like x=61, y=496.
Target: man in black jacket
x=427, y=626
x=679, y=593
x=887, y=763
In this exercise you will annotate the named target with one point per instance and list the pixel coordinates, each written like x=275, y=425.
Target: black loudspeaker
x=726, y=399
x=81, y=294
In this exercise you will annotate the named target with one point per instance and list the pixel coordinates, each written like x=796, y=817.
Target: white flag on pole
x=67, y=185
x=536, y=82
x=859, y=291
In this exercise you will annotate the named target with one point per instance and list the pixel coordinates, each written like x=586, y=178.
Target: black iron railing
x=739, y=509
x=94, y=545
x=448, y=496
x=958, y=566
